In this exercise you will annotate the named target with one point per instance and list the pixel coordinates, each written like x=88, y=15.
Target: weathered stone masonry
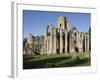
x=63, y=39
x=58, y=40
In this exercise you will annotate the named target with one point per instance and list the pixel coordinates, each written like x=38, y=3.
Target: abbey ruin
x=59, y=40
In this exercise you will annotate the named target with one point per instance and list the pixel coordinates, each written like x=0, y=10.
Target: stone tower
x=63, y=23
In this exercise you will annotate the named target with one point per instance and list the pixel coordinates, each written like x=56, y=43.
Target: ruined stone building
x=64, y=39
x=59, y=40
x=32, y=45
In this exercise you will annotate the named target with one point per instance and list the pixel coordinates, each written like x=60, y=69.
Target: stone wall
x=66, y=40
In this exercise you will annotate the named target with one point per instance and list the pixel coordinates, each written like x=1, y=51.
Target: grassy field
x=55, y=60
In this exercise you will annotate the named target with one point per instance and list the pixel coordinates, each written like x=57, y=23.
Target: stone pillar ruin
x=66, y=41
x=45, y=43
x=55, y=42
x=70, y=42
x=48, y=37
x=87, y=44
x=48, y=46
x=51, y=41
x=61, y=41
x=81, y=42
x=78, y=41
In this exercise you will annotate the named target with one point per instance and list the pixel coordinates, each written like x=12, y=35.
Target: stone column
x=47, y=50
x=45, y=42
x=51, y=40
x=81, y=42
x=77, y=39
x=48, y=45
x=78, y=42
x=45, y=45
x=70, y=42
x=66, y=42
x=87, y=42
x=61, y=41
x=55, y=42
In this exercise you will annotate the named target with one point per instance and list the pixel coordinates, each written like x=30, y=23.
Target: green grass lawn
x=55, y=60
